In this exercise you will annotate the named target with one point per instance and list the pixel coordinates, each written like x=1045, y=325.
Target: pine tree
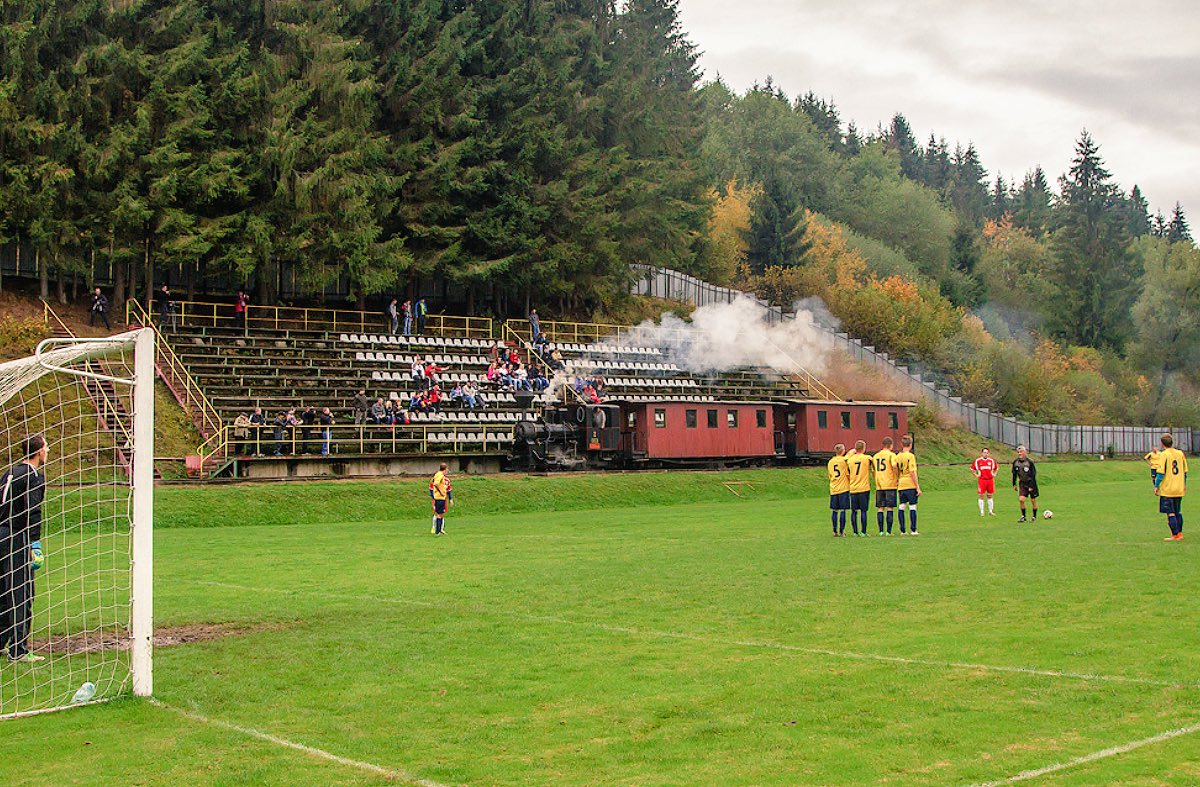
x=968, y=185
x=1002, y=199
x=899, y=137
x=936, y=166
x=778, y=230
x=1159, y=226
x=824, y=117
x=853, y=142
x=1177, y=229
x=1032, y=209
x=1137, y=211
x=1094, y=273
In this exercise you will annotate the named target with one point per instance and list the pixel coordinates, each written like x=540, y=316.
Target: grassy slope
x=547, y=642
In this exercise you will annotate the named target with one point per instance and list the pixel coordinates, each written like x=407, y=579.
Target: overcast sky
x=1020, y=79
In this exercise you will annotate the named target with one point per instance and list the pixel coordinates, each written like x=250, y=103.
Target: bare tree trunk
x=60, y=281
x=43, y=274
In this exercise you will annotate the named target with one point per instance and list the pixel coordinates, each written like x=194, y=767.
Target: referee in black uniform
x=22, y=490
x=1024, y=478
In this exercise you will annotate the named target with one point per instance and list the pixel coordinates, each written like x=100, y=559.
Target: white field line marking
x=1099, y=755
x=379, y=770
x=741, y=643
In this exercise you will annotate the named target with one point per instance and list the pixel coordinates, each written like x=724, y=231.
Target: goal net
x=76, y=620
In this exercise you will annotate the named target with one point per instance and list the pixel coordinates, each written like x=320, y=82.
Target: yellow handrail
x=193, y=395
x=546, y=368
x=221, y=315
x=107, y=403
x=262, y=437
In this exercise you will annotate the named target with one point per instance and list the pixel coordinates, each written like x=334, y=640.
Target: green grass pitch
x=652, y=629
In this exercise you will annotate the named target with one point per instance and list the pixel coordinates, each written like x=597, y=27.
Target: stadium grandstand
x=286, y=360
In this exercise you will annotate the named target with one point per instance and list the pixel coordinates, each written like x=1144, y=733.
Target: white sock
x=981, y=506
x=991, y=504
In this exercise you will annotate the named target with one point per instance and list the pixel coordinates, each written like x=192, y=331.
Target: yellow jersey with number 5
x=839, y=475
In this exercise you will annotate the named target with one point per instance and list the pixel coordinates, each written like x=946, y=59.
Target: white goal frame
x=142, y=486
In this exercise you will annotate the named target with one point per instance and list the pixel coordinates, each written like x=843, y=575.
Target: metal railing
x=929, y=386
x=187, y=391
x=221, y=315
x=108, y=408
x=510, y=334
x=561, y=332
x=366, y=439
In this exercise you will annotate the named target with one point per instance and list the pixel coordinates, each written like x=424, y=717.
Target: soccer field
x=652, y=629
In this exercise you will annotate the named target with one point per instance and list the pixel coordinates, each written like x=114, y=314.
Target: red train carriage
x=696, y=432
x=812, y=427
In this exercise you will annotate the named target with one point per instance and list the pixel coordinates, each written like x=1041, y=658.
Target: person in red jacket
x=984, y=469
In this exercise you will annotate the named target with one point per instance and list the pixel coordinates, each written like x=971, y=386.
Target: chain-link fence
x=928, y=386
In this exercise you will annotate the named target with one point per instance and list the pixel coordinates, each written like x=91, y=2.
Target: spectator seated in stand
x=520, y=378
x=432, y=370
x=471, y=397
x=541, y=344
x=537, y=378
x=557, y=361
x=417, y=371
x=389, y=413
x=377, y=412
x=589, y=394
x=514, y=357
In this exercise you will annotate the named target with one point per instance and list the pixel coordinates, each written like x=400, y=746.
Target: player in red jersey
x=984, y=469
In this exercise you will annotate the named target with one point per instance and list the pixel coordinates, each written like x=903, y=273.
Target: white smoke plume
x=728, y=336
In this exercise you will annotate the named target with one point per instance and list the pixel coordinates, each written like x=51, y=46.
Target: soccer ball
x=1048, y=514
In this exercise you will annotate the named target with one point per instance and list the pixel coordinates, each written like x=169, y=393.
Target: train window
x=893, y=421
x=845, y=419
x=712, y=419
x=791, y=419
x=689, y=417
x=660, y=419
x=731, y=419
x=822, y=419
x=632, y=419
x=870, y=420
x=760, y=418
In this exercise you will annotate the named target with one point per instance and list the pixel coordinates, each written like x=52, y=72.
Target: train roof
x=862, y=402
x=682, y=400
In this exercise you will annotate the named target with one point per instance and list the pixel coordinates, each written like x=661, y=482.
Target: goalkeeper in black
x=22, y=489
x=1024, y=479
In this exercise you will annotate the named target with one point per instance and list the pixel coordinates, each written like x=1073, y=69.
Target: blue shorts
x=1170, y=505
x=908, y=496
x=439, y=507
x=839, y=502
x=860, y=501
x=885, y=498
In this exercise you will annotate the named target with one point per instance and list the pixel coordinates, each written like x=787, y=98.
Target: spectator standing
x=309, y=419
x=406, y=312
x=422, y=314
x=258, y=423
x=99, y=307
x=241, y=308
x=393, y=313
x=241, y=435
x=280, y=424
x=166, y=309
x=325, y=418
x=535, y=325
x=361, y=406
x=22, y=490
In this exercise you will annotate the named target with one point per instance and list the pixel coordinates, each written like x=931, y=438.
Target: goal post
x=87, y=634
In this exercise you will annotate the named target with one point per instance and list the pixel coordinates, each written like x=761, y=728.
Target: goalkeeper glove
x=36, y=558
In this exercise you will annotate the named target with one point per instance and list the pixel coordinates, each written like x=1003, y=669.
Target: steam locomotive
x=622, y=435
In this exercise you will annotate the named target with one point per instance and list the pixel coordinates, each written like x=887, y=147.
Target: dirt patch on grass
x=167, y=636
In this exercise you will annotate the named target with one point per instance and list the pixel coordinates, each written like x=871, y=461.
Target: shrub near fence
x=1039, y=438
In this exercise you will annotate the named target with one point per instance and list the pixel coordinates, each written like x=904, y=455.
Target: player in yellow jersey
x=886, y=481
x=1170, y=486
x=1155, y=460
x=909, y=487
x=442, y=497
x=839, y=489
x=858, y=465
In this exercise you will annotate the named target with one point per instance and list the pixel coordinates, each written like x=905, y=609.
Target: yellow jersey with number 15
x=884, y=463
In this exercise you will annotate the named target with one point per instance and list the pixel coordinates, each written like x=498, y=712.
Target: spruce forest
x=526, y=152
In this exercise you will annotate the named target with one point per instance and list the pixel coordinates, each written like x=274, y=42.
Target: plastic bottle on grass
x=85, y=693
